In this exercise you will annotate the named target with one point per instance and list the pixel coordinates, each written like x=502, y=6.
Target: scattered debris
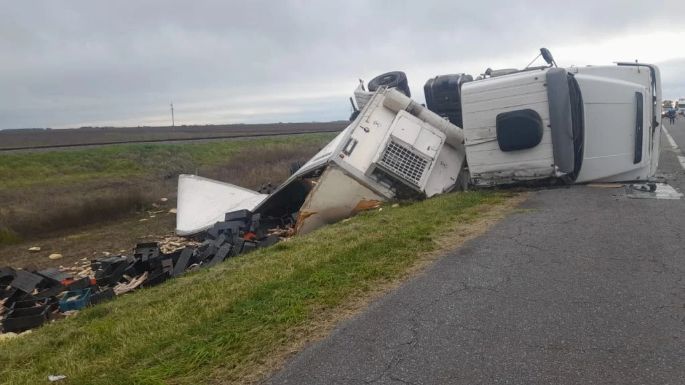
x=652, y=191
x=34, y=249
x=29, y=299
x=7, y=336
x=55, y=256
x=163, y=199
x=122, y=288
x=11, y=335
x=606, y=185
x=56, y=377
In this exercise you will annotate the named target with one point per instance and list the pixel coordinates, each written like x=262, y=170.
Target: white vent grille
x=404, y=163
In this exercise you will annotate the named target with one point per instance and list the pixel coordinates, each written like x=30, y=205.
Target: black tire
x=394, y=79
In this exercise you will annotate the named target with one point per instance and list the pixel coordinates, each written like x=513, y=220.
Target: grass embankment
x=56, y=190
x=235, y=322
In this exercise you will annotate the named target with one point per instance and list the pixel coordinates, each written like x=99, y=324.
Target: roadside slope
x=240, y=320
x=582, y=285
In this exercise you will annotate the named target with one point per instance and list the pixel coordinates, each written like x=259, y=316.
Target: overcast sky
x=75, y=63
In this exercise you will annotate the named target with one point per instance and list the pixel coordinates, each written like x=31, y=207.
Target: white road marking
x=681, y=158
x=670, y=139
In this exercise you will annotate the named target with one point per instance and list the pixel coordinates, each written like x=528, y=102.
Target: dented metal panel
x=336, y=196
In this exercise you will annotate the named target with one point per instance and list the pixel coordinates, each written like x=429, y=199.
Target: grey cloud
x=67, y=63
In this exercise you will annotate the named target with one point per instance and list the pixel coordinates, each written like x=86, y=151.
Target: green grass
x=217, y=325
x=115, y=162
x=8, y=237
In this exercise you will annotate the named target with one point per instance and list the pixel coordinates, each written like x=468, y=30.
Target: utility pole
x=172, y=114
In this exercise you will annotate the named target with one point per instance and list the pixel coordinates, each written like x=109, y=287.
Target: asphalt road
x=582, y=286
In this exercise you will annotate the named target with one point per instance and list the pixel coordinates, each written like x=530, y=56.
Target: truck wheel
x=394, y=79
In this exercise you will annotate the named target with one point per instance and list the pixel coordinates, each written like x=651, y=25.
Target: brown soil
x=90, y=242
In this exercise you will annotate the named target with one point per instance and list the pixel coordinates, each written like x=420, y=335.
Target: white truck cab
x=580, y=124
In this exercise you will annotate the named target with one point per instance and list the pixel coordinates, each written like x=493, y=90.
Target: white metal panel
x=639, y=75
x=336, y=196
x=509, y=102
x=417, y=150
x=482, y=101
x=405, y=128
x=609, y=109
x=445, y=172
x=370, y=132
x=484, y=119
x=428, y=143
x=487, y=95
x=202, y=202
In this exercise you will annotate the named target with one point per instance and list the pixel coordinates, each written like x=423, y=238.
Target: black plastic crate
x=51, y=291
x=183, y=261
x=102, y=296
x=112, y=274
x=6, y=276
x=54, y=276
x=26, y=281
x=248, y=246
x=7, y=292
x=29, y=303
x=155, y=278
x=80, y=284
x=22, y=319
x=237, y=247
x=244, y=216
x=220, y=255
x=145, y=251
x=269, y=241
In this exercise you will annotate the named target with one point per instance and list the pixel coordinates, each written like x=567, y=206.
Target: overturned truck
x=573, y=125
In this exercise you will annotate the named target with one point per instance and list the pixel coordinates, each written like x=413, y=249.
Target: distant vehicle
x=665, y=106
x=680, y=106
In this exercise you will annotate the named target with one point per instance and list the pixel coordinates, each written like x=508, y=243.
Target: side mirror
x=547, y=56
